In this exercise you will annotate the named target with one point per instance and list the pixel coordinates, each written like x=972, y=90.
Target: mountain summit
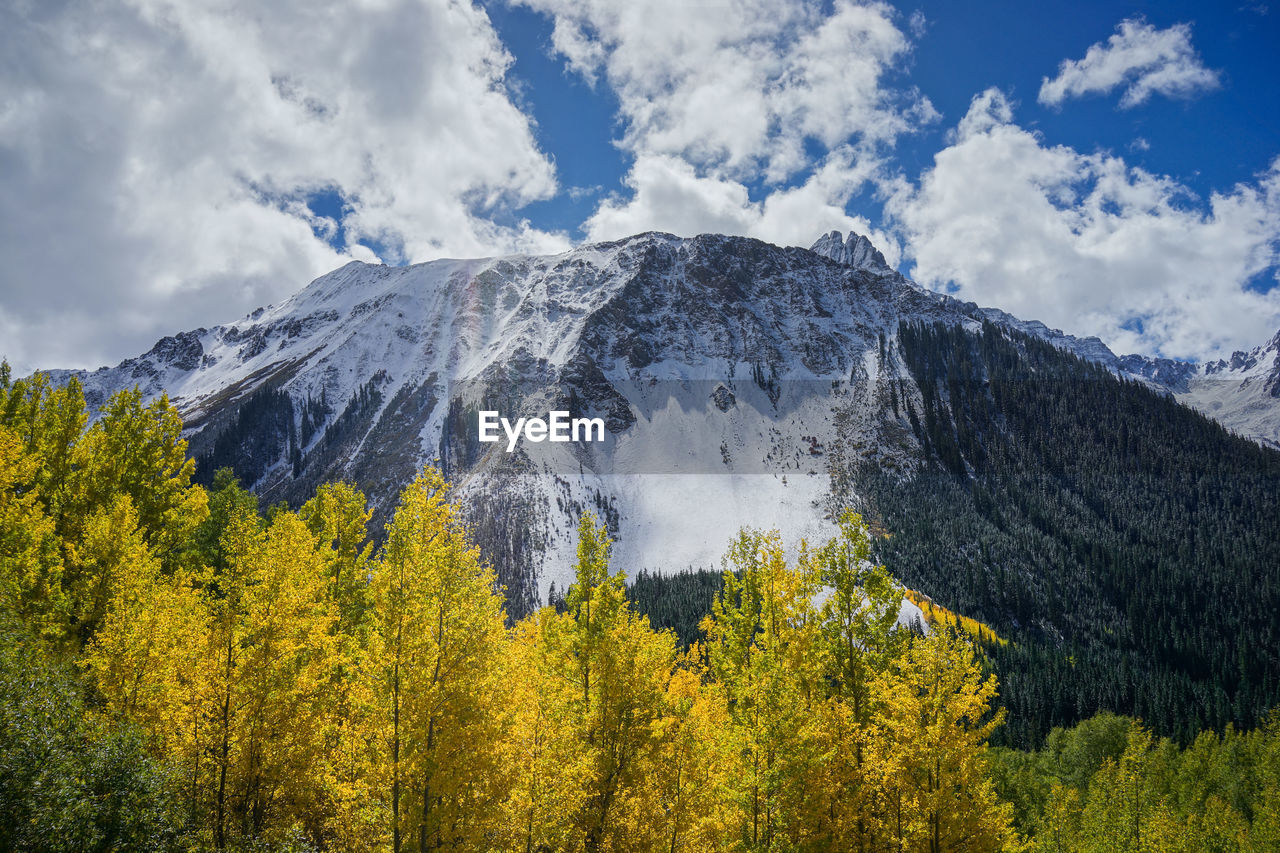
x=856, y=251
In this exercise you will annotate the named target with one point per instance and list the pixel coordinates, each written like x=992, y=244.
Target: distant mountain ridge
x=1242, y=392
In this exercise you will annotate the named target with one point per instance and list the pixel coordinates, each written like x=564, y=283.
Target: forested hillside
x=1129, y=546
x=182, y=671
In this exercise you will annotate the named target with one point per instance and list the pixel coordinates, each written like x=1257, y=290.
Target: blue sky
x=1108, y=168
x=1205, y=142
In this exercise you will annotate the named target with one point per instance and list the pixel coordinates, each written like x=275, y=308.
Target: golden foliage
x=301, y=686
x=937, y=615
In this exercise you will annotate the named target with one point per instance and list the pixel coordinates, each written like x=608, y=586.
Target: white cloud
x=669, y=195
x=154, y=158
x=918, y=23
x=1139, y=57
x=1088, y=244
x=713, y=98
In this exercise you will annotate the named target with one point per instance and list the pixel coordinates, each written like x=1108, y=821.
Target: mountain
x=1028, y=478
x=1124, y=543
x=1242, y=392
x=711, y=355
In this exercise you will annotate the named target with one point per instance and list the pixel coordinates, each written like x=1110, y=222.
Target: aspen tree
x=31, y=570
x=620, y=667
x=1122, y=812
x=289, y=654
x=439, y=637
x=693, y=771
x=151, y=662
x=859, y=637
x=348, y=812
x=138, y=450
x=928, y=750
x=762, y=648
x=550, y=771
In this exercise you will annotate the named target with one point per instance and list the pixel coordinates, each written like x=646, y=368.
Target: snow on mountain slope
x=1242, y=393
x=448, y=317
x=737, y=379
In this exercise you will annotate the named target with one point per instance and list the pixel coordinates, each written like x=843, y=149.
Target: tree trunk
x=395, y=750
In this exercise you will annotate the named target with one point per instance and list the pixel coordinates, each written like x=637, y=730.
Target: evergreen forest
x=1127, y=545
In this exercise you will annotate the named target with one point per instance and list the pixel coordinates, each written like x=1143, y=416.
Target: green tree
x=68, y=782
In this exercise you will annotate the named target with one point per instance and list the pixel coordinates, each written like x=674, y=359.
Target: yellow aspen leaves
x=307, y=683
x=439, y=640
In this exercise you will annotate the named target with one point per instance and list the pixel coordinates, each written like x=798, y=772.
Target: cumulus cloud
x=1091, y=245
x=714, y=99
x=669, y=195
x=1142, y=59
x=157, y=158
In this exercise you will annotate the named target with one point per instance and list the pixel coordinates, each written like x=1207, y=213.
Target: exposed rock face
x=856, y=251
x=1174, y=375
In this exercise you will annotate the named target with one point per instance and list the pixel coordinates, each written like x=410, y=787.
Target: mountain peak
x=857, y=251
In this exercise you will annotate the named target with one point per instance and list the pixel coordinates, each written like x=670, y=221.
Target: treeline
x=1127, y=545
x=180, y=671
x=1109, y=785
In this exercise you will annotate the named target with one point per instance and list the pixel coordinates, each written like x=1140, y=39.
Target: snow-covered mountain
x=1242, y=393
x=737, y=379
